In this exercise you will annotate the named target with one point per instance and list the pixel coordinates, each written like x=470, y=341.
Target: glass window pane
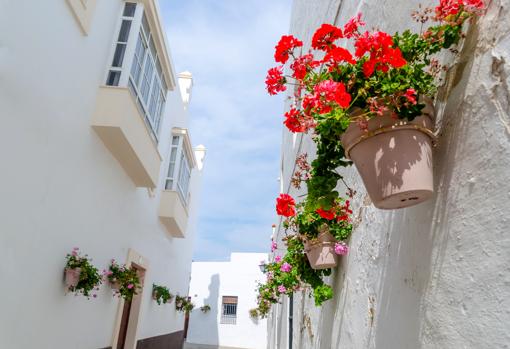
x=145, y=26
x=152, y=47
x=129, y=9
x=168, y=185
x=124, y=31
x=118, y=57
x=175, y=140
x=113, y=78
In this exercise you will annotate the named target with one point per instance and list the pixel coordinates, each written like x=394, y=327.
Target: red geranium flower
x=339, y=54
x=331, y=91
x=293, y=121
x=327, y=214
x=410, y=95
x=284, y=47
x=325, y=36
x=351, y=28
x=285, y=205
x=302, y=65
x=275, y=81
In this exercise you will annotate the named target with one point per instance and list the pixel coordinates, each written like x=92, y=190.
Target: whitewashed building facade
x=96, y=154
x=435, y=275
x=229, y=288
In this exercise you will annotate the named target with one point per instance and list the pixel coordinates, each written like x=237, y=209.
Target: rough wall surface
x=436, y=275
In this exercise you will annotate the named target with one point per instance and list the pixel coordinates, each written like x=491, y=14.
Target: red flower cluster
x=285, y=205
x=331, y=91
x=285, y=47
x=410, y=95
x=340, y=213
x=448, y=8
x=324, y=37
x=302, y=65
x=337, y=55
x=351, y=27
x=382, y=54
x=297, y=121
x=327, y=214
x=275, y=81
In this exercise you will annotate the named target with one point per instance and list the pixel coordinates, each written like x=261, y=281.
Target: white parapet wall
x=435, y=275
x=210, y=282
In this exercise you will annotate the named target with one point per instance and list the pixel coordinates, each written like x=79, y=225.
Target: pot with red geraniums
x=123, y=280
x=183, y=304
x=372, y=106
x=161, y=294
x=81, y=277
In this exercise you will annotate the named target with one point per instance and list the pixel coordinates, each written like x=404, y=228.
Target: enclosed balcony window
x=179, y=168
x=144, y=76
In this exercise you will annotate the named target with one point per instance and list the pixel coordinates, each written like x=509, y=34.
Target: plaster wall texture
x=436, y=275
x=61, y=187
x=210, y=281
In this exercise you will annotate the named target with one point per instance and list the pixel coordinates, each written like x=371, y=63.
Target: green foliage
x=205, y=308
x=161, y=294
x=125, y=278
x=183, y=304
x=90, y=278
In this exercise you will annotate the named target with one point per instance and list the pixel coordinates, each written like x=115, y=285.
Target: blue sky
x=228, y=46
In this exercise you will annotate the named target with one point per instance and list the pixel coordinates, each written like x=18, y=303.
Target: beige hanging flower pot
x=72, y=277
x=394, y=158
x=321, y=251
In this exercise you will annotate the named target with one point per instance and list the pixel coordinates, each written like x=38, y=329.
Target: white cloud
x=228, y=46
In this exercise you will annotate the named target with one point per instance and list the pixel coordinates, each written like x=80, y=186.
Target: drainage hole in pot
x=403, y=200
x=413, y=198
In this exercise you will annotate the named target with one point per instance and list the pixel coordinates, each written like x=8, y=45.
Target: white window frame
x=151, y=101
x=182, y=158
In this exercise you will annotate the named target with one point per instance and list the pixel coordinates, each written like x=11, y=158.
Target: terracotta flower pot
x=115, y=285
x=394, y=158
x=72, y=277
x=321, y=252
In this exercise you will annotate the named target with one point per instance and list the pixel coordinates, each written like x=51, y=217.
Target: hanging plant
x=372, y=106
x=123, y=280
x=253, y=313
x=161, y=294
x=183, y=304
x=81, y=277
x=205, y=308
x=369, y=105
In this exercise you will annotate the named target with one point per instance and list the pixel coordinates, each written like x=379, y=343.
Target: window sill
x=119, y=124
x=173, y=213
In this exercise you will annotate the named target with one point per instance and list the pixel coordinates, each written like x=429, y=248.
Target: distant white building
x=96, y=154
x=229, y=288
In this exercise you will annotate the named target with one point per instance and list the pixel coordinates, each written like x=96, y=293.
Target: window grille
x=229, y=310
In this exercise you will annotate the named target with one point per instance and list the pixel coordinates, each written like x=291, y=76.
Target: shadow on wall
x=204, y=326
x=419, y=237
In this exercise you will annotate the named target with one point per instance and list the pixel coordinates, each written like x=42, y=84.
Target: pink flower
x=277, y=259
x=274, y=246
x=130, y=286
x=286, y=267
x=410, y=95
x=341, y=248
x=282, y=289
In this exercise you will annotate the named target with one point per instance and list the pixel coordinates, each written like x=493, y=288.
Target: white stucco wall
x=210, y=281
x=435, y=275
x=61, y=187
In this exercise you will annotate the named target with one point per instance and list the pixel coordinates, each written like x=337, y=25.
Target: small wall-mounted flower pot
x=394, y=158
x=321, y=252
x=72, y=277
x=115, y=285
